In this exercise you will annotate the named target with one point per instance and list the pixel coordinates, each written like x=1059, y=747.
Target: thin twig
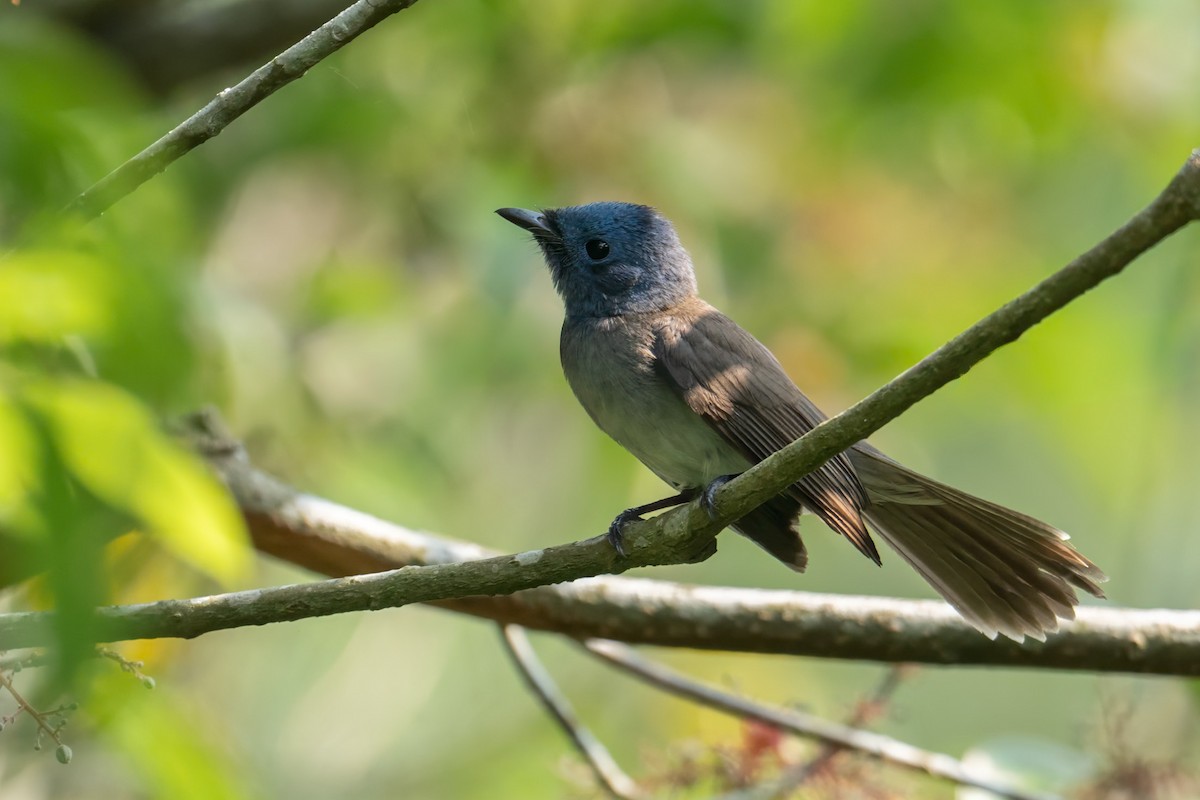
x=874, y=705
x=871, y=744
x=231, y=103
x=37, y=716
x=41, y=658
x=794, y=777
x=133, y=668
x=607, y=772
x=31, y=660
x=169, y=44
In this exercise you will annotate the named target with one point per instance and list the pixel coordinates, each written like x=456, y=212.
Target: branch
x=188, y=618
x=168, y=44
x=610, y=776
x=324, y=536
x=808, y=726
x=335, y=540
x=1176, y=206
x=1162, y=642
x=867, y=709
x=231, y=103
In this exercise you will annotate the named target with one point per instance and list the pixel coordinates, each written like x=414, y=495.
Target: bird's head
x=610, y=259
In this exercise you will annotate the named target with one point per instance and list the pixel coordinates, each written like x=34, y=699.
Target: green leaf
x=112, y=446
x=48, y=295
x=18, y=461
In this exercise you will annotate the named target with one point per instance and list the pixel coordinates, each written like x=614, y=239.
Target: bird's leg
x=708, y=498
x=616, y=531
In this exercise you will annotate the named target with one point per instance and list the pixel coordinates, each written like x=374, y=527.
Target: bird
x=698, y=400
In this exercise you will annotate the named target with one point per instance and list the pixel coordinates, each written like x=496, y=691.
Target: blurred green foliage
x=96, y=340
x=856, y=182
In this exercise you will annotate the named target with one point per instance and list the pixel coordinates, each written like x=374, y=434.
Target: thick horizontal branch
x=188, y=618
x=231, y=103
x=324, y=536
x=1161, y=642
x=329, y=538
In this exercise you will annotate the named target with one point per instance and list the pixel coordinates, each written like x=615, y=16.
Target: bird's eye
x=597, y=249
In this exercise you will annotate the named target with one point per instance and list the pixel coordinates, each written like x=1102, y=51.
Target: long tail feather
x=1005, y=572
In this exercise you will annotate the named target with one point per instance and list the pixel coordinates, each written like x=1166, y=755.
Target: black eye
x=597, y=249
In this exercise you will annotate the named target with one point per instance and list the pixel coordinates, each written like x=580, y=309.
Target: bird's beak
x=532, y=221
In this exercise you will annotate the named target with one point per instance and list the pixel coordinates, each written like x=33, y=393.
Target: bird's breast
x=610, y=366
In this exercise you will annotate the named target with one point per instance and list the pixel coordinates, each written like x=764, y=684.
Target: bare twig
x=808, y=726
x=875, y=704
x=51, y=722
x=794, y=777
x=134, y=668
x=35, y=659
x=30, y=660
x=231, y=103
x=41, y=718
x=167, y=44
x=608, y=773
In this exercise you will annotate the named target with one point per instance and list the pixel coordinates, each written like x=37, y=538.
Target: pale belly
x=610, y=370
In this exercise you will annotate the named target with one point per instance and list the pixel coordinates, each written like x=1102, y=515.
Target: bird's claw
x=616, y=531
x=708, y=498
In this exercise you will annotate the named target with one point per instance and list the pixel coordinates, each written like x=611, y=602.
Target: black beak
x=532, y=221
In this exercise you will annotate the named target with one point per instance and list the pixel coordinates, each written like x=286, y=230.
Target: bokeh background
x=856, y=182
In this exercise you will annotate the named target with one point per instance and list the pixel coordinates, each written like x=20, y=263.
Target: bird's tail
x=1005, y=572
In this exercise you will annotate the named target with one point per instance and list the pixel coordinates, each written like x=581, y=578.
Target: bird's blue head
x=610, y=259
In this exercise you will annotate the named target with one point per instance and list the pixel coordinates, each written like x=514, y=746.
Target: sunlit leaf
x=18, y=458
x=48, y=295
x=110, y=443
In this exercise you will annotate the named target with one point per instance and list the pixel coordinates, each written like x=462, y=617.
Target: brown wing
x=731, y=380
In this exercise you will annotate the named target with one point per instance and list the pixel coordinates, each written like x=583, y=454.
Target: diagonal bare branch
x=231, y=103
x=794, y=777
x=875, y=745
x=608, y=773
x=1175, y=207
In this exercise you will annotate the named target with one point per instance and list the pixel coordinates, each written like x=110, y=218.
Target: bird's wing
x=732, y=381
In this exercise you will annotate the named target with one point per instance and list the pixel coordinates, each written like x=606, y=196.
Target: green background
x=856, y=182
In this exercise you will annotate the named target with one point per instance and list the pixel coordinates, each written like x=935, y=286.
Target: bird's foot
x=708, y=498
x=616, y=531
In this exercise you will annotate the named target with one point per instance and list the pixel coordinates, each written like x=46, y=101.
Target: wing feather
x=734, y=383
